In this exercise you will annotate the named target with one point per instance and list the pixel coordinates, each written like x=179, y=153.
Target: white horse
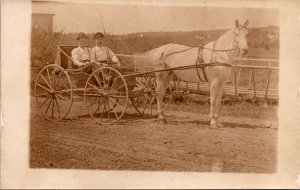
x=223, y=50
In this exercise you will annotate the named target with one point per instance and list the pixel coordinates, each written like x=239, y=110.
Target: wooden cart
x=107, y=91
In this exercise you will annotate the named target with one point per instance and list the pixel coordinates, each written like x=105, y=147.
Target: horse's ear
x=246, y=23
x=236, y=23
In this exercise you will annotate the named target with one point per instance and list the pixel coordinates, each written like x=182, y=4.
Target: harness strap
x=197, y=63
x=212, y=52
x=163, y=53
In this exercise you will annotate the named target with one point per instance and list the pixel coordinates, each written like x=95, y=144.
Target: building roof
x=46, y=14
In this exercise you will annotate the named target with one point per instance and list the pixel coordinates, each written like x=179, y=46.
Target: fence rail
x=252, y=77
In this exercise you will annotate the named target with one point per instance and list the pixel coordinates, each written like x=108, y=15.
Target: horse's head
x=240, y=33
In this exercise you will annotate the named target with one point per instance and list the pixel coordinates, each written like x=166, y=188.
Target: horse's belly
x=189, y=75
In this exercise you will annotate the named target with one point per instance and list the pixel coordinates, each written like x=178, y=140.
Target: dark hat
x=98, y=35
x=81, y=35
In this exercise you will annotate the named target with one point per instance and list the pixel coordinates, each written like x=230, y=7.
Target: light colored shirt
x=103, y=54
x=79, y=55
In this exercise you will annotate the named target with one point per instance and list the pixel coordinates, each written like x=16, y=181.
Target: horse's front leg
x=213, y=103
x=219, y=102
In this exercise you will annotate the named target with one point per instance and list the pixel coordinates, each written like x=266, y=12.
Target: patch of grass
x=200, y=104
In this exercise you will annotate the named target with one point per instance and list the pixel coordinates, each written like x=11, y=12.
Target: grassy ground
x=199, y=104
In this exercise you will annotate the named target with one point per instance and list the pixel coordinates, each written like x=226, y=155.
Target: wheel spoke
x=143, y=85
x=48, y=107
x=58, y=78
x=116, y=102
x=48, y=76
x=57, y=108
x=52, y=108
x=45, y=101
x=99, y=105
x=114, y=81
x=98, y=80
x=43, y=87
x=93, y=86
x=43, y=94
x=144, y=108
x=103, y=77
x=63, y=97
x=115, y=90
x=62, y=83
x=53, y=78
x=140, y=101
x=108, y=73
x=46, y=81
x=113, y=110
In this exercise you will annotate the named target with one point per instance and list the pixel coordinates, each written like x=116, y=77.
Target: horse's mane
x=225, y=41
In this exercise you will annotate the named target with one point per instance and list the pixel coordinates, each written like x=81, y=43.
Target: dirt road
x=185, y=143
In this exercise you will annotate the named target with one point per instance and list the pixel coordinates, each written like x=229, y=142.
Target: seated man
x=102, y=54
x=81, y=55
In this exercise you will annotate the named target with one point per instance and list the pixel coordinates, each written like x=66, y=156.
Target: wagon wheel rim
x=106, y=95
x=145, y=102
x=53, y=92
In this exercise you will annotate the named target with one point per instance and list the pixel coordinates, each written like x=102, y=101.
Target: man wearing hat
x=81, y=55
x=102, y=54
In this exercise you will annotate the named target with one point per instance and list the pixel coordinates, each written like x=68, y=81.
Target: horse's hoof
x=213, y=126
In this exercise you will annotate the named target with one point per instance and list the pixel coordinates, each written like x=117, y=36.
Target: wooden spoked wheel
x=53, y=92
x=145, y=102
x=106, y=95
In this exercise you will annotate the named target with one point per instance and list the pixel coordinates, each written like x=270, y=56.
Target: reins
x=197, y=63
x=200, y=47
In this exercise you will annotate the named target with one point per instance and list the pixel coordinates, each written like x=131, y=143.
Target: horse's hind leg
x=162, y=80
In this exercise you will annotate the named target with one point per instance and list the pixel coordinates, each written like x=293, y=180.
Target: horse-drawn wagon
x=107, y=91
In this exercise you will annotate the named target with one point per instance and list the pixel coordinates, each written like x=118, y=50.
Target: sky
x=129, y=18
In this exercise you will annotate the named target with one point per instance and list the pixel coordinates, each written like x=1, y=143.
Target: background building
x=43, y=21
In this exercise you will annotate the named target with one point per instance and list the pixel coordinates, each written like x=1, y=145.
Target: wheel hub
x=105, y=93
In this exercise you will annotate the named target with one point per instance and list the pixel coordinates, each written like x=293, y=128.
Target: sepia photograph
x=155, y=88
x=162, y=89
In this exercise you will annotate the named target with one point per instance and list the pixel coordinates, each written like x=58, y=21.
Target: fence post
x=253, y=80
x=235, y=83
x=250, y=76
x=268, y=82
x=135, y=65
x=238, y=77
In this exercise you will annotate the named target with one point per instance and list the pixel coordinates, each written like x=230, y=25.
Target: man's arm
x=113, y=57
x=75, y=57
x=93, y=54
